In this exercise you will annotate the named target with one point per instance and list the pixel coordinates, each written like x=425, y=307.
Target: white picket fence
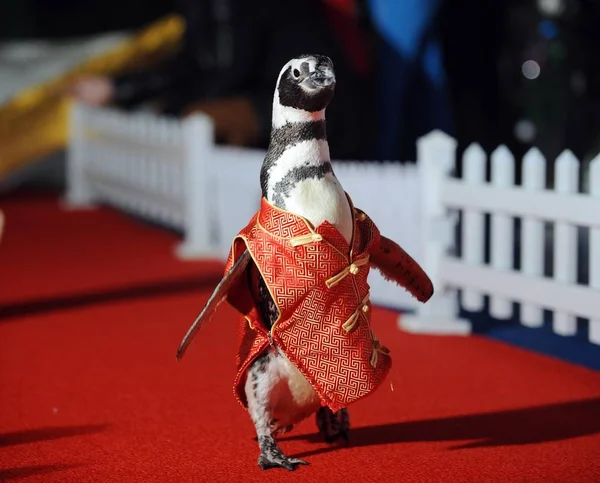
x=146, y=165
x=170, y=171
x=564, y=208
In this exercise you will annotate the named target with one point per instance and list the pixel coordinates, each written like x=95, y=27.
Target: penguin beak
x=322, y=76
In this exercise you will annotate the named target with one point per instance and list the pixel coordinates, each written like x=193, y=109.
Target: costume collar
x=284, y=224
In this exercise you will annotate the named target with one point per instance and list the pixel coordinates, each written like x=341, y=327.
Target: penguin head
x=306, y=83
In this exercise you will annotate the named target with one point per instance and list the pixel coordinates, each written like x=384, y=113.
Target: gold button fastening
x=354, y=269
x=365, y=308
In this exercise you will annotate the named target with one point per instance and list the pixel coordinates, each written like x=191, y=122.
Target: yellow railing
x=34, y=122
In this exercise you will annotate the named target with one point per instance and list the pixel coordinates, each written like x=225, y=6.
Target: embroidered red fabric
x=319, y=284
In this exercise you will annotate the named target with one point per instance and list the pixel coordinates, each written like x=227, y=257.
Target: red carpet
x=93, y=306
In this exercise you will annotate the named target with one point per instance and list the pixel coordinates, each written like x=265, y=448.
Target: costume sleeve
x=398, y=266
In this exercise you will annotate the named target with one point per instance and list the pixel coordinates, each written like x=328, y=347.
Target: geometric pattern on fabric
x=342, y=366
x=319, y=283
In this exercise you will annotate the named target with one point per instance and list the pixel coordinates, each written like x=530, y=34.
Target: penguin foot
x=271, y=456
x=333, y=426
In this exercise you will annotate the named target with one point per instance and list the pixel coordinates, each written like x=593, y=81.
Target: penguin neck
x=297, y=175
x=301, y=131
x=297, y=149
x=283, y=115
x=304, y=140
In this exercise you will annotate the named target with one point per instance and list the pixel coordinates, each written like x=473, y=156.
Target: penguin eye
x=296, y=73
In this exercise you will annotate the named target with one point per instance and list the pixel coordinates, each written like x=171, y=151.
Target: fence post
x=473, y=231
x=502, y=229
x=198, y=199
x=532, y=234
x=594, y=244
x=566, y=175
x=435, y=157
x=78, y=193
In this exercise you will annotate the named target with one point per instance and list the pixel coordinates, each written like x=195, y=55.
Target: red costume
x=319, y=285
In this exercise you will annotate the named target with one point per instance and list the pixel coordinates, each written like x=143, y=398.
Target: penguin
x=298, y=183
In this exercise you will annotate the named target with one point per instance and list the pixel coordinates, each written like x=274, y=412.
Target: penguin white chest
x=320, y=200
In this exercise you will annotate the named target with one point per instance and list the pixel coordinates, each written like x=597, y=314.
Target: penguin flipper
x=398, y=266
x=218, y=295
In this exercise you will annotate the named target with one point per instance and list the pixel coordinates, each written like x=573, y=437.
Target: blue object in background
x=412, y=81
x=548, y=29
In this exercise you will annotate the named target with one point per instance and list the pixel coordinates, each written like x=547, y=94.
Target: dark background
x=485, y=44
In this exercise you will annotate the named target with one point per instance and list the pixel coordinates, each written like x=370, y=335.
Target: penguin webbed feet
x=271, y=456
x=333, y=426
